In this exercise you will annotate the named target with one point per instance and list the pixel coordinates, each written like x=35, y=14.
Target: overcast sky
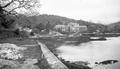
x=104, y=11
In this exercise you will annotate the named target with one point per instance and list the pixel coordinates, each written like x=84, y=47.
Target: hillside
x=54, y=20
x=115, y=27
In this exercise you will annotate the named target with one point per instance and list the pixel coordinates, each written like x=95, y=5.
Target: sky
x=99, y=11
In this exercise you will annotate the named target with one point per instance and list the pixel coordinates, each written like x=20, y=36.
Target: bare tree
x=14, y=6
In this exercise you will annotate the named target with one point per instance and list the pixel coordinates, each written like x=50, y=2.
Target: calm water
x=93, y=51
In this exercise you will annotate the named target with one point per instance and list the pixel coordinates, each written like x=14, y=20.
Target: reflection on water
x=93, y=51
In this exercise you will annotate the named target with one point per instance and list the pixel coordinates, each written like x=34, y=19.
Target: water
x=93, y=51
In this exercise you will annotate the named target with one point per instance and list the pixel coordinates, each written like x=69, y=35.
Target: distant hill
x=54, y=20
x=115, y=27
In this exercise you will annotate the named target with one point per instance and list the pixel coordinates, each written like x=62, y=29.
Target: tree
x=14, y=7
x=48, y=27
x=40, y=27
x=8, y=24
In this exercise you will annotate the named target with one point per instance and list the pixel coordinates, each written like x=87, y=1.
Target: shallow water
x=93, y=51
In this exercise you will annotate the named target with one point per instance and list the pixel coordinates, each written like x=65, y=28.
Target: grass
x=32, y=52
x=18, y=41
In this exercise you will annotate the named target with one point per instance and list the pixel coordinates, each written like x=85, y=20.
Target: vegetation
x=10, y=13
x=11, y=8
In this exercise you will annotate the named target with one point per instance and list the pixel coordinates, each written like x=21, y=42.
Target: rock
x=10, y=51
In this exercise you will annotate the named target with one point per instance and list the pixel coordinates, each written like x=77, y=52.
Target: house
x=60, y=28
x=71, y=28
x=75, y=27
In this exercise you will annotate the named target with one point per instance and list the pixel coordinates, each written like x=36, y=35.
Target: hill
x=54, y=20
x=114, y=28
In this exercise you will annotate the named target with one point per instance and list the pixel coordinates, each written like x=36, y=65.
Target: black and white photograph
x=59, y=34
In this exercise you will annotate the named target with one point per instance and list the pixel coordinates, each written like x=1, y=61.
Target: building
x=71, y=28
x=61, y=28
x=75, y=27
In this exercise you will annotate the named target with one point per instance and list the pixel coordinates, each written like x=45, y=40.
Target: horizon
x=97, y=11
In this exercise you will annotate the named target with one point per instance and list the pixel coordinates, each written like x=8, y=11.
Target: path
x=52, y=60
